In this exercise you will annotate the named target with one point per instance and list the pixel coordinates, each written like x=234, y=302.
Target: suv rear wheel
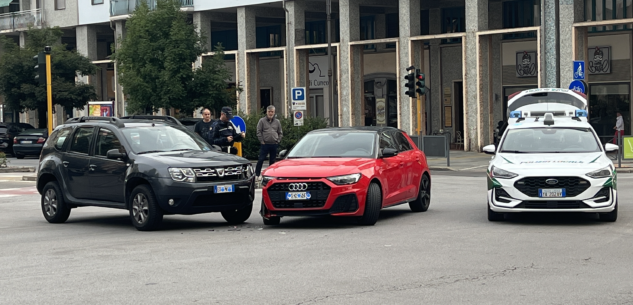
x=144, y=210
x=54, y=207
x=238, y=216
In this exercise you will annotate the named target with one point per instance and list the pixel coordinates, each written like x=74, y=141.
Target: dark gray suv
x=148, y=167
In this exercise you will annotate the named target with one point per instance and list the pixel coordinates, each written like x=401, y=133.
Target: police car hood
x=562, y=163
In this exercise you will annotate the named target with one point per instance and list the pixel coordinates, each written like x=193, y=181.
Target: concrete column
x=351, y=65
x=550, y=54
x=476, y=20
x=202, y=22
x=119, y=99
x=496, y=22
x=437, y=94
x=409, y=25
x=87, y=46
x=298, y=75
x=245, y=40
x=25, y=5
x=571, y=11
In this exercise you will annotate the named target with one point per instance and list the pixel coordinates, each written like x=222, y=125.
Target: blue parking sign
x=579, y=69
x=298, y=94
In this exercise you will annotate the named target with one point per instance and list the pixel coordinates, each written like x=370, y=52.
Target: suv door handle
x=65, y=163
x=92, y=167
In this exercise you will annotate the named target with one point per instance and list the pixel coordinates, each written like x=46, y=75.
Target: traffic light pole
x=49, y=91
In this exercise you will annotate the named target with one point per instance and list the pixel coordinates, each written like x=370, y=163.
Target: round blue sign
x=239, y=124
x=579, y=86
x=298, y=115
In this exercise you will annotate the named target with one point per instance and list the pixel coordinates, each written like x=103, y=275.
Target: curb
x=624, y=170
x=442, y=168
x=17, y=169
x=29, y=178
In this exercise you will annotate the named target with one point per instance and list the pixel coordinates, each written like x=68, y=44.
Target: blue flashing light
x=515, y=114
x=581, y=113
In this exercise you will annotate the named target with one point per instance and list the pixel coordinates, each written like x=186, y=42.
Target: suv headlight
x=182, y=174
x=601, y=173
x=347, y=179
x=266, y=179
x=248, y=170
x=502, y=174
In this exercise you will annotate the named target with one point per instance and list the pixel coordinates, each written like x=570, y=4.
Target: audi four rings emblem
x=298, y=186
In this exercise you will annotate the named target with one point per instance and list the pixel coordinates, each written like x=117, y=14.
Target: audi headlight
x=347, y=179
x=266, y=179
x=182, y=174
x=601, y=173
x=502, y=174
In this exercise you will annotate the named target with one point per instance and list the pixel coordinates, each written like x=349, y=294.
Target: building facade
x=475, y=53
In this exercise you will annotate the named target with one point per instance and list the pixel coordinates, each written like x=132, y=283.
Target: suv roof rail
x=154, y=117
x=112, y=120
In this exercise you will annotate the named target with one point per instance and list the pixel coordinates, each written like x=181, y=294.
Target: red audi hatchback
x=346, y=172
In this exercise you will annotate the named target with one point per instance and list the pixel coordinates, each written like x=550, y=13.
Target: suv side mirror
x=115, y=154
x=490, y=149
x=282, y=153
x=611, y=147
x=389, y=152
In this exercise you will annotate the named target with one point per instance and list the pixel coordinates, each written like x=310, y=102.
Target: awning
x=4, y=3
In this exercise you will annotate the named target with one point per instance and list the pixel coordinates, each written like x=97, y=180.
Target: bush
x=3, y=159
x=292, y=134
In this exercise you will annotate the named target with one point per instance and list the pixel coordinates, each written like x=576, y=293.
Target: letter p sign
x=298, y=96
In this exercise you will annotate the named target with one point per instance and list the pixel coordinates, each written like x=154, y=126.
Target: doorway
x=265, y=97
x=458, y=102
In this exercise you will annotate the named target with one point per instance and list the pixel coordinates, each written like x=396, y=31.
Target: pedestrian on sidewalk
x=269, y=134
x=619, y=127
x=204, y=128
x=224, y=134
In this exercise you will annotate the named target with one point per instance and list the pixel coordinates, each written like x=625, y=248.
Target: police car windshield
x=547, y=97
x=162, y=138
x=550, y=140
x=335, y=144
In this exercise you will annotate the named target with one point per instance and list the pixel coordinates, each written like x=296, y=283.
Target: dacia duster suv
x=150, y=168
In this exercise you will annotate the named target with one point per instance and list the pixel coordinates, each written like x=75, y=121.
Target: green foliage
x=3, y=159
x=250, y=145
x=155, y=63
x=17, y=74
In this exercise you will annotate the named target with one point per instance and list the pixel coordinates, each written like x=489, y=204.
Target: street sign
x=578, y=85
x=298, y=96
x=240, y=125
x=579, y=69
x=298, y=118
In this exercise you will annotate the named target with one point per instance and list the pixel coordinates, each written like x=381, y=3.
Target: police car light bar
x=581, y=113
x=515, y=114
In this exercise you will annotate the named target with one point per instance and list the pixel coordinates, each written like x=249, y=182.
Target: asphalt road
x=448, y=255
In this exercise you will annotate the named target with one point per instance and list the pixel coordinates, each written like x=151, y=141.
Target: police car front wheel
x=611, y=216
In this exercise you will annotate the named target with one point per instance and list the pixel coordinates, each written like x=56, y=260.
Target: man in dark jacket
x=269, y=134
x=204, y=128
x=223, y=132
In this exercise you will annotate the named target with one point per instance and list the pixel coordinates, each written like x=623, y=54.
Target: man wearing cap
x=224, y=133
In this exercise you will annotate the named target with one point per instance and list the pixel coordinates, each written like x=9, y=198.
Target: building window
x=597, y=10
x=228, y=39
x=519, y=14
x=424, y=22
x=94, y=2
x=393, y=28
x=605, y=100
x=316, y=33
x=453, y=21
x=367, y=30
x=268, y=37
x=60, y=4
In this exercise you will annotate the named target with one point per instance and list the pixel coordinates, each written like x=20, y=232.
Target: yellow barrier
x=238, y=145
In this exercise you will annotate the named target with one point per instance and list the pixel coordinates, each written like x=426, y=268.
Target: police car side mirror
x=490, y=149
x=282, y=153
x=611, y=147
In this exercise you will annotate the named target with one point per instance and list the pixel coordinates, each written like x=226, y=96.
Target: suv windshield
x=550, y=140
x=162, y=138
x=335, y=144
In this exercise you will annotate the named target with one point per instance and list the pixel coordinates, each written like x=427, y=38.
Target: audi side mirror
x=490, y=149
x=283, y=153
x=389, y=152
x=115, y=154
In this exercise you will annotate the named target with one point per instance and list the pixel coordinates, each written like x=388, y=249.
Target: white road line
x=463, y=169
x=5, y=196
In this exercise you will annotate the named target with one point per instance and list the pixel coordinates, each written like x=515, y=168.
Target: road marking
x=5, y=196
x=30, y=190
x=463, y=169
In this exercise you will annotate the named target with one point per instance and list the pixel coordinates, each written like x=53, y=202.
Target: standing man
x=223, y=132
x=619, y=127
x=204, y=128
x=269, y=134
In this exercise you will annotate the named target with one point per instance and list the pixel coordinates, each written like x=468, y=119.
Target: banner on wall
x=101, y=109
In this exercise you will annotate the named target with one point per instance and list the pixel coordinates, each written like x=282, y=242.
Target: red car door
x=390, y=169
x=412, y=170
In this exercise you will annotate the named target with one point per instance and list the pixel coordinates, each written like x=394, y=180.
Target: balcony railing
x=20, y=20
x=125, y=7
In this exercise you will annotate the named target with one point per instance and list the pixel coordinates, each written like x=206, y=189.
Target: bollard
x=238, y=145
x=620, y=152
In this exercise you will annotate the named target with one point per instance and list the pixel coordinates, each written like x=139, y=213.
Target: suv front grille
x=207, y=174
x=319, y=193
x=573, y=186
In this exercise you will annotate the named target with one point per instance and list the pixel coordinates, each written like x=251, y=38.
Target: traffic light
x=40, y=67
x=410, y=84
x=421, y=89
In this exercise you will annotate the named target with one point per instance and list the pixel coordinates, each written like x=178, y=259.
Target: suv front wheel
x=54, y=207
x=237, y=216
x=144, y=210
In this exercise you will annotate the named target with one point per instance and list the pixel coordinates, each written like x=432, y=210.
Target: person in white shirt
x=619, y=127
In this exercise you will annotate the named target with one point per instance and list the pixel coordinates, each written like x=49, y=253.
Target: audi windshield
x=335, y=144
x=550, y=140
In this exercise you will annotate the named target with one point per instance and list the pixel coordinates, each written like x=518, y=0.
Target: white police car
x=550, y=159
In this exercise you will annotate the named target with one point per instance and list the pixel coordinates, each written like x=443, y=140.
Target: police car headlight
x=347, y=179
x=266, y=179
x=502, y=174
x=182, y=174
x=601, y=173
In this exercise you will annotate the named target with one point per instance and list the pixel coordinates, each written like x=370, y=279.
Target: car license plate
x=298, y=195
x=27, y=142
x=219, y=189
x=551, y=193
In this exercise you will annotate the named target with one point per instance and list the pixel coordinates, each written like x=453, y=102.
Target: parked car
x=12, y=129
x=148, y=167
x=347, y=172
x=29, y=142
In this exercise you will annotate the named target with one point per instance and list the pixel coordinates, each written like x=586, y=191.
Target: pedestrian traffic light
x=410, y=84
x=40, y=67
x=421, y=88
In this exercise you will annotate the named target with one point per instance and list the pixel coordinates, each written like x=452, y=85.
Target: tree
x=17, y=74
x=155, y=63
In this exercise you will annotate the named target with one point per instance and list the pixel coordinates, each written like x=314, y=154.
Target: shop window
x=519, y=14
x=316, y=33
x=597, y=10
x=605, y=100
x=453, y=21
x=424, y=23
